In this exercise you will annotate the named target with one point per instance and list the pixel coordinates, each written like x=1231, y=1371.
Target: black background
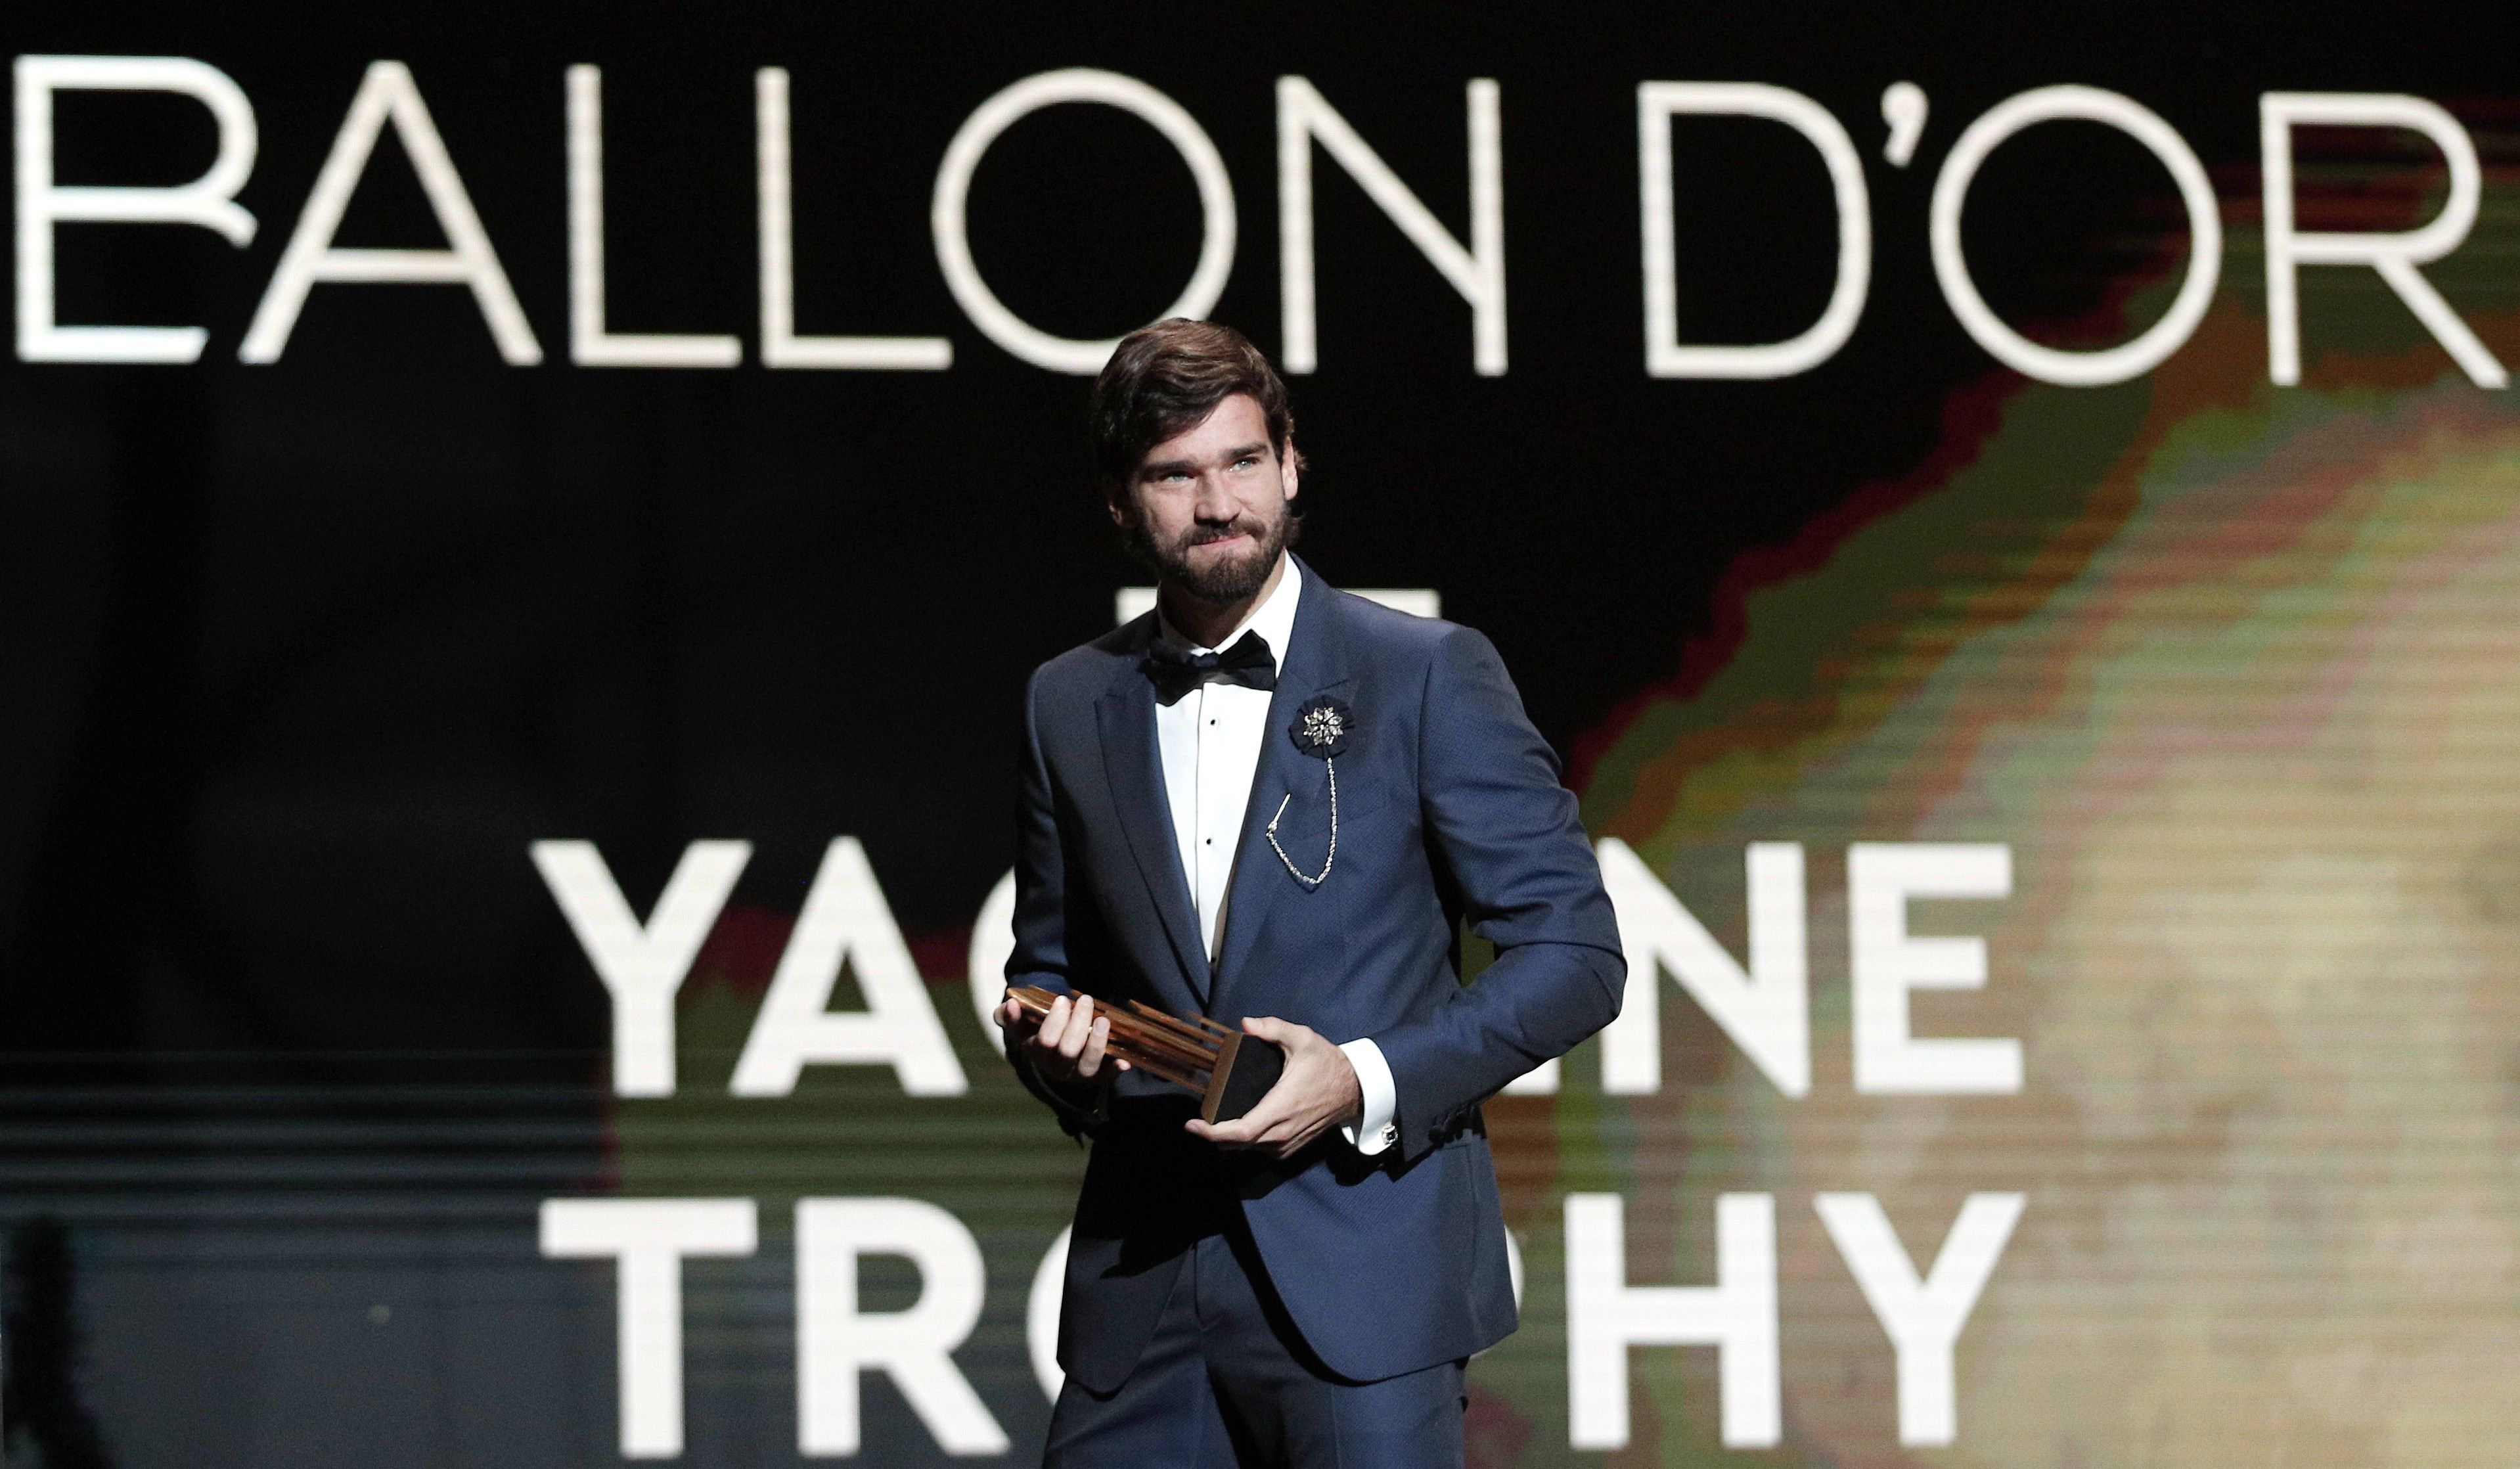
x=299, y=659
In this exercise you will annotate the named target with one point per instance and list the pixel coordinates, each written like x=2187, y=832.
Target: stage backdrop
x=522, y=528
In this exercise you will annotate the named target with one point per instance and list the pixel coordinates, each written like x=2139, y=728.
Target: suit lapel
x=1315, y=663
x=1135, y=771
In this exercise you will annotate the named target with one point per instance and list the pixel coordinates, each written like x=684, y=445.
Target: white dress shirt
x=1211, y=738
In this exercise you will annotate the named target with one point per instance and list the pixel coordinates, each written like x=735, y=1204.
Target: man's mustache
x=1209, y=533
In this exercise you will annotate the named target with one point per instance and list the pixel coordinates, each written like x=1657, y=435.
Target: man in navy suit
x=1274, y=804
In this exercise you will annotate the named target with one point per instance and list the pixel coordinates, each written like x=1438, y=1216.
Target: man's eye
x=1246, y=461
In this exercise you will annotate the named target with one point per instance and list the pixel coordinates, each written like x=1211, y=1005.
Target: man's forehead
x=1232, y=423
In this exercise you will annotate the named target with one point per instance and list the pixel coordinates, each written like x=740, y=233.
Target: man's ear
x=1289, y=468
x=1112, y=503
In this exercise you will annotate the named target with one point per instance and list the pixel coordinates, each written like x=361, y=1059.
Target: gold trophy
x=1228, y=1070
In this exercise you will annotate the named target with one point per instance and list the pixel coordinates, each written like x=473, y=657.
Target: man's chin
x=1224, y=579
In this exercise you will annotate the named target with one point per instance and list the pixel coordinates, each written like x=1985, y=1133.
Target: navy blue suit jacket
x=1449, y=807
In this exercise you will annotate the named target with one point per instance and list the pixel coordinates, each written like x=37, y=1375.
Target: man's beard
x=1219, y=580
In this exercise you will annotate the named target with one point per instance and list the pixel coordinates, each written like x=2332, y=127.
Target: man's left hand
x=1316, y=1092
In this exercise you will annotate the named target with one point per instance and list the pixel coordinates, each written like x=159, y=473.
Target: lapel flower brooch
x=1320, y=729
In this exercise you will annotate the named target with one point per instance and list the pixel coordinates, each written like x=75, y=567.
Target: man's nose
x=1215, y=502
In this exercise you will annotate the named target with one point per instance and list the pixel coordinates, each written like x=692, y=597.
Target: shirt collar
x=1274, y=619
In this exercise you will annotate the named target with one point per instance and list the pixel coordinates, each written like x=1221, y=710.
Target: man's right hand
x=1066, y=1049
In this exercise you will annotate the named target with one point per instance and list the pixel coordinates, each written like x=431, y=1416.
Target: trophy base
x=1230, y=1069
x=1246, y=1067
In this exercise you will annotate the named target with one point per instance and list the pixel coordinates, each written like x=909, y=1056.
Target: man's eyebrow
x=1251, y=450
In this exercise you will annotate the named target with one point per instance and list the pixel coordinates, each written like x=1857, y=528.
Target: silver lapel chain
x=1331, y=766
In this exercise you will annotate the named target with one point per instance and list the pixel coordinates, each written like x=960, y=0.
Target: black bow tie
x=1176, y=671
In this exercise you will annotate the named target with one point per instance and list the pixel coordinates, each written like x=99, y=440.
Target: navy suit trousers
x=1227, y=1383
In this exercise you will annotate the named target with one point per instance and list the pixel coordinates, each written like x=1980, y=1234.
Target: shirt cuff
x=1374, y=1131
